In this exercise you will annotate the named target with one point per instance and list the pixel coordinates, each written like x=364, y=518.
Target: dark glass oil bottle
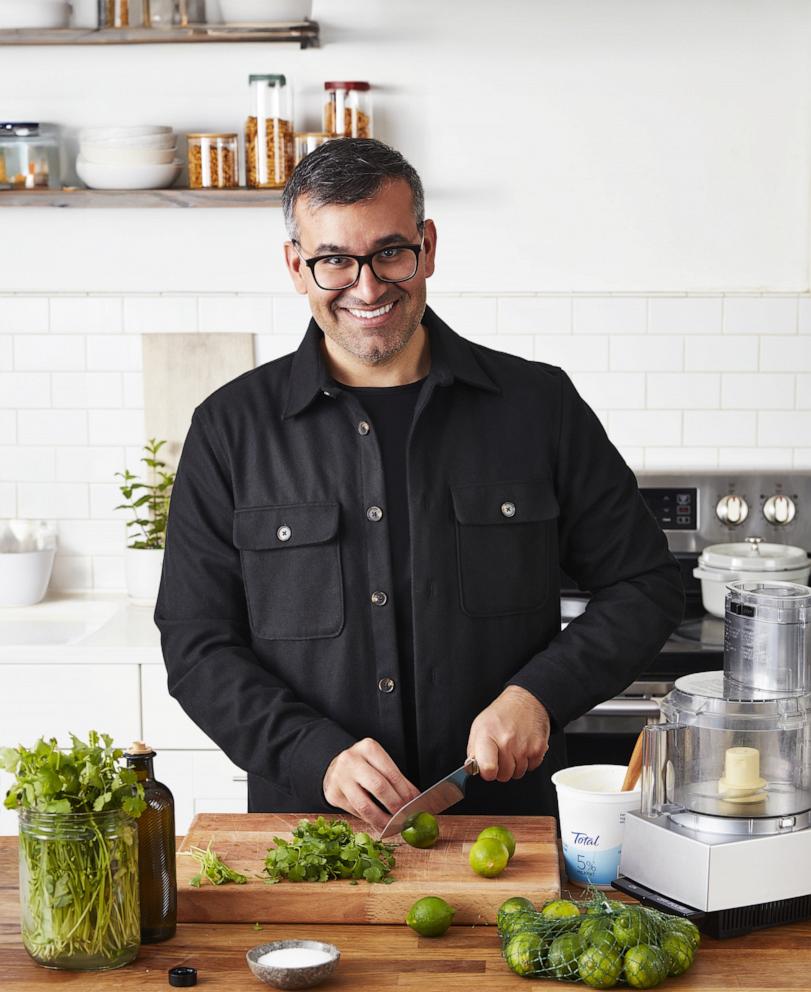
x=156, y=850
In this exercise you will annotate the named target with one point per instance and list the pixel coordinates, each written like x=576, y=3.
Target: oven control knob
x=732, y=510
x=779, y=509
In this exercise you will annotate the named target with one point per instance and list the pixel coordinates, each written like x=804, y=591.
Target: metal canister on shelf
x=29, y=155
x=212, y=160
x=308, y=141
x=269, y=150
x=348, y=109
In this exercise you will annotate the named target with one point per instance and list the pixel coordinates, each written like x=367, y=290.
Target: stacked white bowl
x=141, y=157
x=34, y=14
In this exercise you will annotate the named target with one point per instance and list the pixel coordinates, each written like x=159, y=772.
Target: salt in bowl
x=292, y=976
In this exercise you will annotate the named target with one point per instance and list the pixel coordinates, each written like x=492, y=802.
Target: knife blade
x=439, y=797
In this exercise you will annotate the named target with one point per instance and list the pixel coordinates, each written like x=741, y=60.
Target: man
x=361, y=580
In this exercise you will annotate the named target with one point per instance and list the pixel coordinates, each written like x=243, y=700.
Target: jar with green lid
x=269, y=150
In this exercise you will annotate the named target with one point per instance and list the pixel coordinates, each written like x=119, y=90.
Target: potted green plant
x=148, y=500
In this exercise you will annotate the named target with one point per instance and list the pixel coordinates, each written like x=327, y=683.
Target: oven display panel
x=674, y=509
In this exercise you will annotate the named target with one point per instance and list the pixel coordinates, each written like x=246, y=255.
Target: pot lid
x=754, y=555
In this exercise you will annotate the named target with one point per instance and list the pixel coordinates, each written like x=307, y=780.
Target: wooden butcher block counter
x=382, y=957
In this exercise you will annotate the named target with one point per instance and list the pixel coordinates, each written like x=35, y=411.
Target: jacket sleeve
x=202, y=616
x=610, y=543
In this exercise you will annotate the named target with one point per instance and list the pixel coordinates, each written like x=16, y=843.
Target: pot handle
x=701, y=573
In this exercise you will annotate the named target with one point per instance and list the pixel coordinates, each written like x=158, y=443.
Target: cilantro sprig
x=326, y=849
x=212, y=867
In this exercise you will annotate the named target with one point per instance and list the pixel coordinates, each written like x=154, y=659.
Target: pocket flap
x=265, y=528
x=505, y=502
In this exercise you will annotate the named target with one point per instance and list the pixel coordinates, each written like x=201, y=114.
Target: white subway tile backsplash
x=133, y=389
x=108, y=572
x=71, y=573
x=634, y=456
x=610, y=315
x=757, y=391
x=92, y=537
x=685, y=315
x=782, y=429
x=804, y=315
x=682, y=390
x=682, y=457
x=21, y=464
x=87, y=389
x=513, y=344
x=736, y=428
x=52, y=426
x=802, y=458
x=114, y=353
x=116, y=426
x=268, y=347
x=662, y=353
x=49, y=352
x=804, y=392
x=87, y=315
x=87, y=464
x=291, y=315
x=25, y=389
x=6, y=352
x=755, y=458
x=160, y=314
x=232, y=312
x=721, y=353
x=760, y=315
x=645, y=427
x=470, y=316
x=104, y=498
x=49, y=499
x=611, y=390
x=574, y=354
x=786, y=354
x=23, y=314
x=535, y=315
x=8, y=499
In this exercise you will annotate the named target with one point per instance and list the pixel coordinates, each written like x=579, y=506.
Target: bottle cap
x=138, y=750
x=182, y=977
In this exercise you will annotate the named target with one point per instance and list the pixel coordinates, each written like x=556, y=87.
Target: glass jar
x=29, y=156
x=348, y=109
x=213, y=162
x=123, y=13
x=79, y=889
x=269, y=150
x=308, y=141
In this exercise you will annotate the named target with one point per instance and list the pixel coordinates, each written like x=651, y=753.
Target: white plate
x=117, y=133
x=105, y=176
x=111, y=154
x=21, y=14
x=264, y=11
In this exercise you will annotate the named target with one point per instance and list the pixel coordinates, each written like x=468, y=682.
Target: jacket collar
x=452, y=358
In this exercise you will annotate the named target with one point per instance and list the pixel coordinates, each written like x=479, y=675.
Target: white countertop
x=88, y=628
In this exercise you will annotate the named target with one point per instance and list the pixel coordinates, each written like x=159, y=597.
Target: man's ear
x=295, y=266
x=429, y=247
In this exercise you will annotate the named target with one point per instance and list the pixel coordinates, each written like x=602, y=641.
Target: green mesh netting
x=596, y=942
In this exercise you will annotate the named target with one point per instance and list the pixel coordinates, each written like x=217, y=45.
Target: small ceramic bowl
x=291, y=977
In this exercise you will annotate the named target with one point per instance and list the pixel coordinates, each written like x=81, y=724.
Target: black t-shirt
x=391, y=410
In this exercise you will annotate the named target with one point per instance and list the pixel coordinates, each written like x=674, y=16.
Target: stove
x=695, y=510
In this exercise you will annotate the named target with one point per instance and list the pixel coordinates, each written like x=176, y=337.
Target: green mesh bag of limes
x=595, y=942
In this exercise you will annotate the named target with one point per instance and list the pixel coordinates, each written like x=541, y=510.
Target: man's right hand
x=364, y=775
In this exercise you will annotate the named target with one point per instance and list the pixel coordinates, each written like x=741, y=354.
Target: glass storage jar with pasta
x=213, y=162
x=269, y=133
x=348, y=109
x=308, y=141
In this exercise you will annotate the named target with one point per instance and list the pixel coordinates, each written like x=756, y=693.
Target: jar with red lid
x=348, y=109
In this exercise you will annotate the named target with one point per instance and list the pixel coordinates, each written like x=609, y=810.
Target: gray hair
x=348, y=170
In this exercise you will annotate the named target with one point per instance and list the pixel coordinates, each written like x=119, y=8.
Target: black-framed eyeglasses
x=397, y=263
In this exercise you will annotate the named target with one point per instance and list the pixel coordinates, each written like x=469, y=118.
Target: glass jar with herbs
x=78, y=845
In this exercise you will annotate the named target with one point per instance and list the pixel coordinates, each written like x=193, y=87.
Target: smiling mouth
x=371, y=314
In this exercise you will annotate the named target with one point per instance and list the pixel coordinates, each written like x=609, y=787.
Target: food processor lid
x=746, y=556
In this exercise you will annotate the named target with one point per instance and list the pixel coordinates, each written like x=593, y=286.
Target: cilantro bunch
x=86, y=779
x=213, y=868
x=325, y=849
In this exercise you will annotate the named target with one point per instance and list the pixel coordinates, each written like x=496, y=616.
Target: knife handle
x=471, y=766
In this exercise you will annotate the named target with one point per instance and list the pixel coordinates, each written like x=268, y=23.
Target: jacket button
x=374, y=513
x=284, y=533
x=379, y=599
x=508, y=509
x=386, y=685
x=363, y=428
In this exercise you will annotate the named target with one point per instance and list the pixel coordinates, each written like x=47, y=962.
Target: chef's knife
x=447, y=792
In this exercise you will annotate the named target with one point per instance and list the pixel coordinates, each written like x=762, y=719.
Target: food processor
x=722, y=835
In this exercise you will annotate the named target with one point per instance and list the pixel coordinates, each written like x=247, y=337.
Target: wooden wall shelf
x=305, y=34
x=126, y=198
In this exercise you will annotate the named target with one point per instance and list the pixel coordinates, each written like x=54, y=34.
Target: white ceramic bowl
x=96, y=134
x=264, y=11
x=126, y=155
x=34, y=14
x=24, y=576
x=162, y=141
x=145, y=176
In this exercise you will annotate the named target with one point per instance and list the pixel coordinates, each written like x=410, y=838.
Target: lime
x=510, y=924
x=524, y=953
x=599, y=967
x=515, y=904
x=420, y=830
x=430, y=916
x=560, y=909
x=563, y=954
x=489, y=857
x=605, y=939
x=629, y=928
x=591, y=925
x=677, y=924
x=645, y=966
x=503, y=834
x=679, y=952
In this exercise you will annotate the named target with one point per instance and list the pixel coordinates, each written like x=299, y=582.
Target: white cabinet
x=201, y=782
x=165, y=723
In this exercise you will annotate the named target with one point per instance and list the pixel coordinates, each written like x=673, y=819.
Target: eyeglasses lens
x=388, y=265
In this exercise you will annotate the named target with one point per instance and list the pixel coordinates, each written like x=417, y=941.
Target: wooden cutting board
x=242, y=840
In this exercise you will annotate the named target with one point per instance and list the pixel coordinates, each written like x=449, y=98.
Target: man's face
x=373, y=321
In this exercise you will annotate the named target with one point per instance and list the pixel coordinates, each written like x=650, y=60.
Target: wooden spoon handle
x=634, y=766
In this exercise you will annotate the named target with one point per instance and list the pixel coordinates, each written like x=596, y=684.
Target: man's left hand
x=510, y=737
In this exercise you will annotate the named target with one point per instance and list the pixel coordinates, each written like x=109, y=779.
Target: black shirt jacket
x=277, y=540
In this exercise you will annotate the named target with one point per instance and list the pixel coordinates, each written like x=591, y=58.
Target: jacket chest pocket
x=291, y=567
x=506, y=540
